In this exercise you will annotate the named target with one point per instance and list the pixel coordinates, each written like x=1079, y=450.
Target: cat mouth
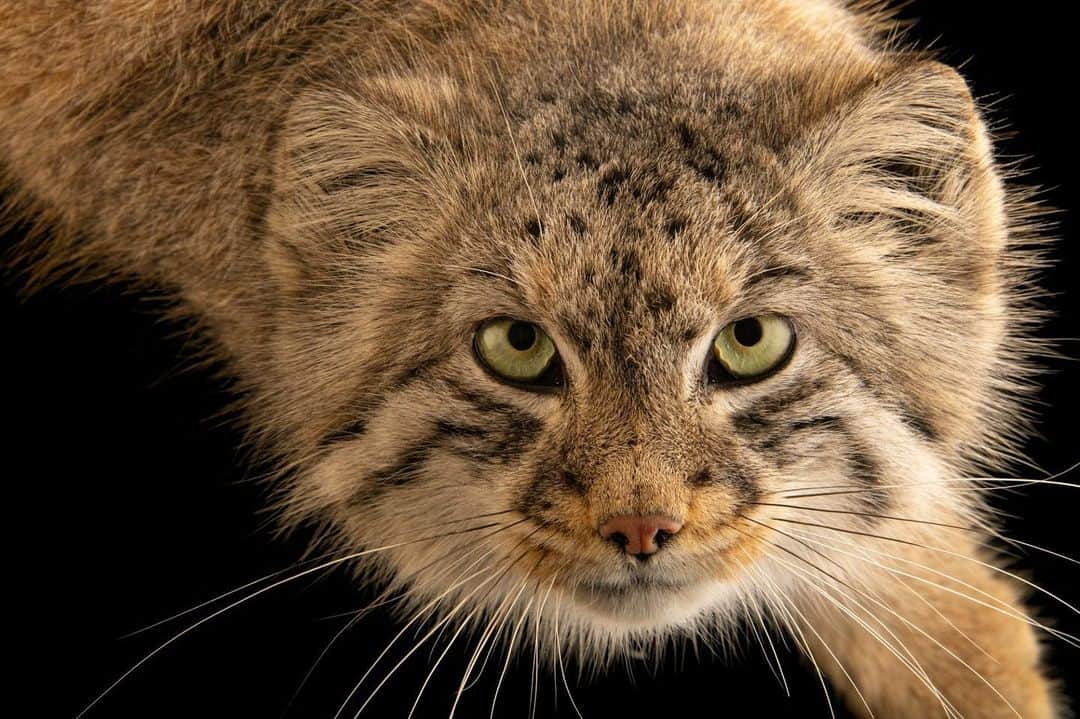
x=640, y=600
x=634, y=586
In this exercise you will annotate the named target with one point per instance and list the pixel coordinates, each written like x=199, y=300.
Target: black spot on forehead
x=701, y=156
x=659, y=300
x=629, y=264
x=674, y=227
x=532, y=226
x=626, y=266
x=586, y=160
x=709, y=164
x=580, y=331
x=652, y=187
x=577, y=223
x=607, y=187
x=687, y=137
x=638, y=185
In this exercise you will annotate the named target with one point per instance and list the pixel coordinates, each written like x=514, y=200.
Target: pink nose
x=640, y=536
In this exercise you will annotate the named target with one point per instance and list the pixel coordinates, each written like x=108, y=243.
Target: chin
x=629, y=609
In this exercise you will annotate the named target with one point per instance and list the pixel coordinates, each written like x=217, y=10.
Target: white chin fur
x=649, y=611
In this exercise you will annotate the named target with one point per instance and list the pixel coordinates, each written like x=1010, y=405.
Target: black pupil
x=522, y=336
x=747, y=332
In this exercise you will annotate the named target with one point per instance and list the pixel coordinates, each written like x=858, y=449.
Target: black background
x=125, y=501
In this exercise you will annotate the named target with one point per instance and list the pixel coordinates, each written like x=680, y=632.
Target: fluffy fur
x=340, y=192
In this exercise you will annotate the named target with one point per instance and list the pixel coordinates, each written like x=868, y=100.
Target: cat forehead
x=624, y=280
x=661, y=235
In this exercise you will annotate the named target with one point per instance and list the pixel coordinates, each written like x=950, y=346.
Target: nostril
x=640, y=536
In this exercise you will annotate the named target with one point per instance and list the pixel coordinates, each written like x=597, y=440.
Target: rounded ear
x=906, y=184
x=358, y=168
x=911, y=153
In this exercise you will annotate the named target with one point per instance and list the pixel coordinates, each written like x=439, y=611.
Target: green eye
x=751, y=348
x=516, y=351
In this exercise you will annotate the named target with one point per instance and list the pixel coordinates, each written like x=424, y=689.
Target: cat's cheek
x=333, y=480
x=910, y=468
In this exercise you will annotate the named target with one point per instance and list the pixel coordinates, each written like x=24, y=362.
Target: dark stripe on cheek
x=921, y=425
x=537, y=496
x=751, y=423
x=760, y=420
x=785, y=398
x=573, y=481
x=747, y=486
x=819, y=422
x=480, y=402
x=791, y=430
x=865, y=471
x=446, y=428
x=345, y=434
x=702, y=478
x=550, y=480
x=510, y=434
x=406, y=468
x=910, y=413
x=357, y=426
x=732, y=475
x=413, y=372
x=467, y=441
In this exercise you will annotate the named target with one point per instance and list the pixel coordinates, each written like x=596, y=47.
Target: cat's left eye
x=751, y=348
x=519, y=352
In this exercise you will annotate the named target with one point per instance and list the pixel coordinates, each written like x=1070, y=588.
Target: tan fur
x=341, y=192
x=939, y=634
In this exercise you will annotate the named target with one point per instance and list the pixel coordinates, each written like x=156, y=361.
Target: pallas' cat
x=586, y=322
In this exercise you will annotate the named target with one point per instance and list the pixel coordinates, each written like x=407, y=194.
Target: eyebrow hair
x=774, y=272
x=487, y=273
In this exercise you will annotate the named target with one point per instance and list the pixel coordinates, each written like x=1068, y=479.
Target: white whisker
x=917, y=628
x=307, y=572
x=559, y=660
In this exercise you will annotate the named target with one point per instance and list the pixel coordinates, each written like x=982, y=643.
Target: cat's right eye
x=518, y=352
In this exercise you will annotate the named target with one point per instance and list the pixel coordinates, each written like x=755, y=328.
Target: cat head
x=617, y=344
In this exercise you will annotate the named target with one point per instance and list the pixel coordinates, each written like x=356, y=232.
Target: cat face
x=576, y=358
